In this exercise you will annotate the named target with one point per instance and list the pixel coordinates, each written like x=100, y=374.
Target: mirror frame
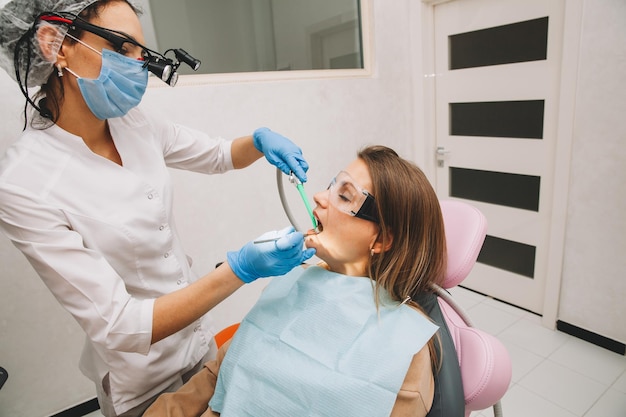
x=367, y=45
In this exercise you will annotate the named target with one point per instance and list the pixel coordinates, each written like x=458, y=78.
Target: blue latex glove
x=281, y=152
x=257, y=260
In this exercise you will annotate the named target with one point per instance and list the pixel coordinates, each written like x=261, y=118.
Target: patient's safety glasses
x=347, y=196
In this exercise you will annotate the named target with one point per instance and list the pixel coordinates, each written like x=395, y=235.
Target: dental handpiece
x=294, y=180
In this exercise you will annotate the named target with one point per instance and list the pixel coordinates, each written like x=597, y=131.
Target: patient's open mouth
x=319, y=227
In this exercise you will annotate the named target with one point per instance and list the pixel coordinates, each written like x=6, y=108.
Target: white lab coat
x=103, y=239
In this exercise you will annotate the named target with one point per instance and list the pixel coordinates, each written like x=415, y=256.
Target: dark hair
x=51, y=94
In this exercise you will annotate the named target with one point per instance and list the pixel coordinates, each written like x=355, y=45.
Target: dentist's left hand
x=281, y=152
x=270, y=258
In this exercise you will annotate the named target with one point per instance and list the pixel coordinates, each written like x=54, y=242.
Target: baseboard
x=591, y=337
x=586, y=335
x=80, y=409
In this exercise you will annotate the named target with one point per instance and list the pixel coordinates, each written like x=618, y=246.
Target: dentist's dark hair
x=52, y=94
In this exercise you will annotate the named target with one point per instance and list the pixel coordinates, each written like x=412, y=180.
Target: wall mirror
x=234, y=36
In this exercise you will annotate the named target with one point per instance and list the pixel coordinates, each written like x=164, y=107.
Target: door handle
x=441, y=155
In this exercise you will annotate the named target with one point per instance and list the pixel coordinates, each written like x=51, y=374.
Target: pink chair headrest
x=485, y=363
x=466, y=228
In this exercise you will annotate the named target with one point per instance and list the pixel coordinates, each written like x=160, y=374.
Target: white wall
x=593, y=292
x=330, y=118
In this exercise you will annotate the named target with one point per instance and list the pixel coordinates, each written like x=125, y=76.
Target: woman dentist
x=85, y=194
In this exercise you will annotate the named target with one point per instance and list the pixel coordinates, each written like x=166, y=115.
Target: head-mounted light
x=158, y=64
x=184, y=56
x=160, y=67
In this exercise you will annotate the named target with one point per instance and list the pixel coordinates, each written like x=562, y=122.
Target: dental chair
x=481, y=372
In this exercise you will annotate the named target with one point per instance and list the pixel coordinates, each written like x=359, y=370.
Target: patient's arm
x=416, y=394
x=192, y=399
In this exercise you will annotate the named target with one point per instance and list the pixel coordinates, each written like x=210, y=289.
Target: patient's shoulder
x=415, y=397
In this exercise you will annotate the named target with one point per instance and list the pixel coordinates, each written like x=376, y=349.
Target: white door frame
x=567, y=99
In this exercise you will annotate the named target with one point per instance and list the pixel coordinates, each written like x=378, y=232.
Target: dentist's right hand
x=269, y=258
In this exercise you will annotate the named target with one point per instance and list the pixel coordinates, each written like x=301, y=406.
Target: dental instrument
x=285, y=203
x=294, y=180
x=274, y=239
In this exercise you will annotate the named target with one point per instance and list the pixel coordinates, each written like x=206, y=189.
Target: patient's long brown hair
x=410, y=218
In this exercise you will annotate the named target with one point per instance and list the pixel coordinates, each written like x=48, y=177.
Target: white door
x=497, y=71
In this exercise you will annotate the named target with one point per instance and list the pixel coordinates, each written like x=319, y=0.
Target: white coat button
x=166, y=255
x=150, y=196
x=161, y=227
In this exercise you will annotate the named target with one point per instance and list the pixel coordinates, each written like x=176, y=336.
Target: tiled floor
x=554, y=374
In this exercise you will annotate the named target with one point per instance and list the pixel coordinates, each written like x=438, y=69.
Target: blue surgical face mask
x=119, y=87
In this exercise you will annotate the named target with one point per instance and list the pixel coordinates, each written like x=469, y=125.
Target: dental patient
x=342, y=338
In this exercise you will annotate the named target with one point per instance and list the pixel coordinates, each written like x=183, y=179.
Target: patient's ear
x=378, y=246
x=49, y=39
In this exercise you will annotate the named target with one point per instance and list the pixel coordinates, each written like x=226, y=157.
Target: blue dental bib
x=316, y=345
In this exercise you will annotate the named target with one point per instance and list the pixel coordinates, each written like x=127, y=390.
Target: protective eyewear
x=157, y=63
x=349, y=198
